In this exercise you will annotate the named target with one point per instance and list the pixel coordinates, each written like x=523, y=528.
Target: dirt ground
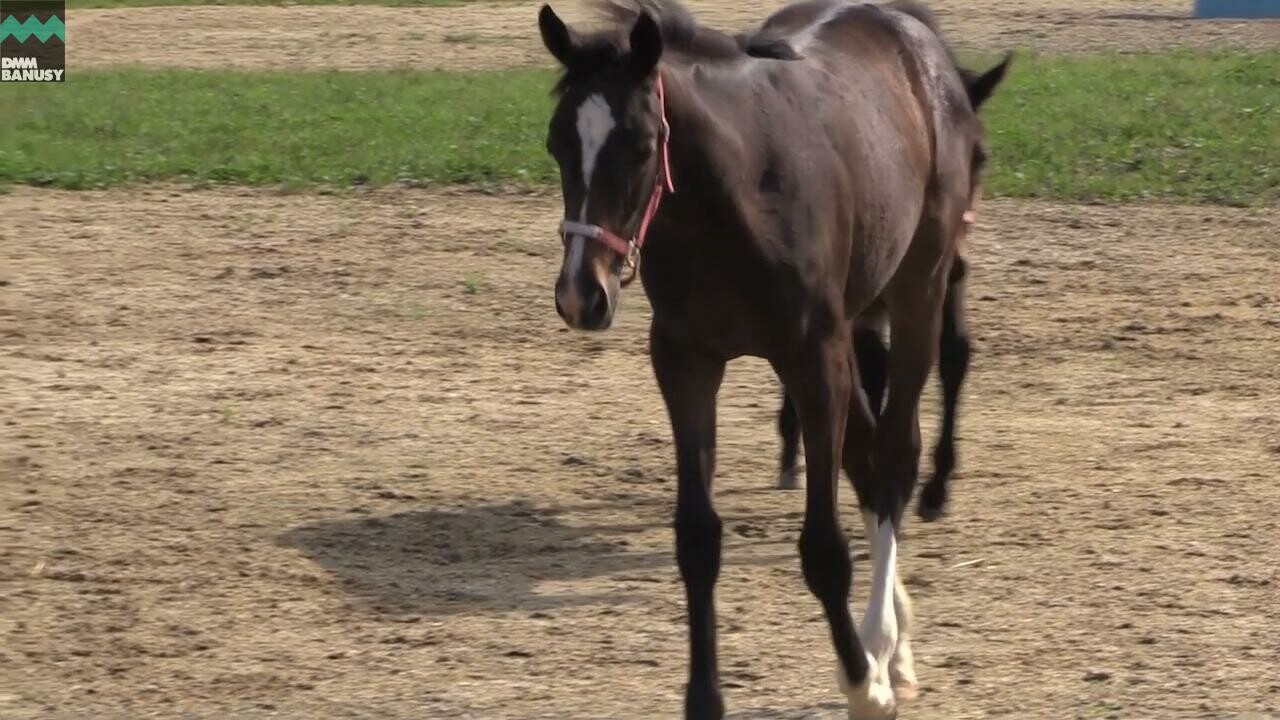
x=336, y=456
x=484, y=35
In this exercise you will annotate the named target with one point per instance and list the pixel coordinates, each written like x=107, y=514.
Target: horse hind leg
x=915, y=298
x=873, y=358
x=873, y=367
x=821, y=385
x=873, y=364
x=901, y=666
x=954, y=350
x=789, y=477
x=867, y=699
x=857, y=463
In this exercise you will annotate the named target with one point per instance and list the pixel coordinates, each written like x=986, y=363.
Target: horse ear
x=646, y=44
x=980, y=87
x=556, y=36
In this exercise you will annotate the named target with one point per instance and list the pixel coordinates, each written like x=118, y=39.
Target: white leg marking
x=874, y=698
x=902, y=671
x=902, y=668
x=869, y=522
x=880, y=624
x=595, y=122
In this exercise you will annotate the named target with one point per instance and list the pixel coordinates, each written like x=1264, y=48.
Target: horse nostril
x=595, y=306
x=559, y=307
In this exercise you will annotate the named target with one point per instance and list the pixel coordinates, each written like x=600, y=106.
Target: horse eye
x=643, y=143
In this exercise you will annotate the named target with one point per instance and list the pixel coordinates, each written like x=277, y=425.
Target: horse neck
x=705, y=146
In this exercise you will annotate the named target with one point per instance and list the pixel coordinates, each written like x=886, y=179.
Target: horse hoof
x=933, y=503
x=906, y=691
x=790, y=479
x=874, y=711
x=929, y=513
x=902, y=675
x=873, y=699
x=705, y=705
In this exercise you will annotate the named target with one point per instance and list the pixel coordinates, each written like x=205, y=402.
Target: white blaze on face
x=595, y=122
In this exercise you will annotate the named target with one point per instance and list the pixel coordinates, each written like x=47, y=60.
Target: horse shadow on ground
x=488, y=558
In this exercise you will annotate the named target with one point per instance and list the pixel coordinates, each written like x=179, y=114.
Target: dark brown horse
x=790, y=182
x=954, y=346
x=954, y=351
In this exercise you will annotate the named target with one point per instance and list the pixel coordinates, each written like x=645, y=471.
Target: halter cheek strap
x=630, y=249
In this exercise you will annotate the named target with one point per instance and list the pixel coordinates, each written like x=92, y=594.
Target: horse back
x=894, y=109
x=875, y=52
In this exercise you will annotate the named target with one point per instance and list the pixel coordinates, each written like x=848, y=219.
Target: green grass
x=1182, y=126
x=295, y=129
x=473, y=284
x=1177, y=127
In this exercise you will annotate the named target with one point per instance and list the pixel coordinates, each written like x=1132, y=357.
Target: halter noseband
x=630, y=249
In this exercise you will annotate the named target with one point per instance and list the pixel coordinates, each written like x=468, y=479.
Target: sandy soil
x=335, y=456
x=481, y=35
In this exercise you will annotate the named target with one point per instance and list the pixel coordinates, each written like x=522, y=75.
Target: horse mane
x=681, y=34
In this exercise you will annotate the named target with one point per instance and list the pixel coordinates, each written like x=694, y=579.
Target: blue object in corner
x=1237, y=9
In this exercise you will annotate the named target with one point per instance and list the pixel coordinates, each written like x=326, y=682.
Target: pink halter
x=630, y=249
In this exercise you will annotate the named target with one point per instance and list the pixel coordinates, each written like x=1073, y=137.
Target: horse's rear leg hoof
x=933, y=501
x=878, y=708
x=873, y=699
x=902, y=673
x=893, y=714
x=930, y=513
x=790, y=479
x=906, y=688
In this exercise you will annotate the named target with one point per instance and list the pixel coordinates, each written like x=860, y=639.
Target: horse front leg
x=821, y=383
x=690, y=380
